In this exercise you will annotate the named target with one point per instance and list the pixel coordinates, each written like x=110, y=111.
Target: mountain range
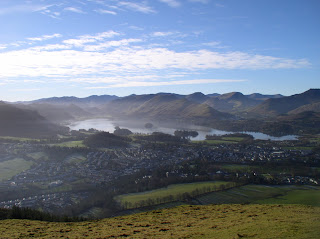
x=215, y=110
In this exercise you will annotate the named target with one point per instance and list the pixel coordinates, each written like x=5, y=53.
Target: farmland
x=170, y=193
x=12, y=167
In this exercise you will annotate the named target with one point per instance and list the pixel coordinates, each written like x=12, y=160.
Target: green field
x=38, y=155
x=304, y=196
x=261, y=194
x=71, y=144
x=170, y=193
x=213, y=221
x=21, y=139
x=12, y=167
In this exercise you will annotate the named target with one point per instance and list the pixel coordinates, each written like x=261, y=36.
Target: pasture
x=12, y=167
x=171, y=193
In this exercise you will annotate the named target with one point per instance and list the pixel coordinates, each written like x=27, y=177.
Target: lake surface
x=138, y=127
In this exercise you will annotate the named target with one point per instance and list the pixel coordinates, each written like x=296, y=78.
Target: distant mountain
x=25, y=123
x=258, y=96
x=197, y=97
x=315, y=107
x=231, y=102
x=92, y=100
x=284, y=105
x=162, y=107
x=57, y=112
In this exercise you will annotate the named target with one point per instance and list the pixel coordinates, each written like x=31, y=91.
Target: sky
x=121, y=47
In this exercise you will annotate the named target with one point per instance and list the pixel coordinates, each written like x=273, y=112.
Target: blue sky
x=122, y=47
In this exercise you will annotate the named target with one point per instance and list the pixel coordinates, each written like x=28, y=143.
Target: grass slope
x=12, y=167
x=214, y=221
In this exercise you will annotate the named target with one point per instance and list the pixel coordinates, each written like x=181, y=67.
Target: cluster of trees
x=160, y=137
x=32, y=214
x=122, y=132
x=105, y=140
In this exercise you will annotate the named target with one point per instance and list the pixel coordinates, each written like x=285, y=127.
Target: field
x=173, y=191
x=306, y=197
x=12, y=167
x=213, y=221
x=21, y=139
x=261, y=194
x=71, y=144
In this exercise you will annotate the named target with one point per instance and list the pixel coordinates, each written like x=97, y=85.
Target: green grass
x=305, y=197
x=213, y=221
x=71, y=144
x=174, y=190
x=21, y=139
x=237, y=139
x=12, y=167
x=38, y=155
x=75, y=158
x=261, y=194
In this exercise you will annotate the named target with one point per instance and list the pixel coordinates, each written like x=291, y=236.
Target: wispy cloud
x=138, y=7
x=71, y=63
x=171, y=3
x=3, y=46
x=200, y=1
x=82, y=40
x=165, y=83
x=24, y=8
x=104, y=11
x=108, y=44
x=44, y=37
x=74, y=9
x=161, y=34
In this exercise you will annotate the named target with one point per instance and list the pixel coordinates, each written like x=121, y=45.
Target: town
x=59, y=177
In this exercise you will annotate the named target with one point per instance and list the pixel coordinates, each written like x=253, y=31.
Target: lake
x=138, y=127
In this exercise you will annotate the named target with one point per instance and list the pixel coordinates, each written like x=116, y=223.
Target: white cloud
x=3, y=46
x=82, y=40
x=24, y=8
x=161, y=34
x=164, y=83
x=108, y=44
x=138, y=7
x=103, y=11
x=128, y=61
x=74, y=9
x=201, y=1
x=44, y=37
x=171, y=3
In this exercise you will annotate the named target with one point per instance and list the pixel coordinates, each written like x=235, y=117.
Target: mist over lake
x=109, y=125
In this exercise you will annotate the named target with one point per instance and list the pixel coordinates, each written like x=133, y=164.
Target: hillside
x=92, y=100
x=231, y=102
x=161, y=106
x=213, y=221
x=273, y=107
x=25, y=123
x=57, y=112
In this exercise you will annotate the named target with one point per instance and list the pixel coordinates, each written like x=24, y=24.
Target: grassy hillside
x=214, y=221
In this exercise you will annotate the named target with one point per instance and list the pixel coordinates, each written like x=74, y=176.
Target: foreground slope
x=214, y=221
